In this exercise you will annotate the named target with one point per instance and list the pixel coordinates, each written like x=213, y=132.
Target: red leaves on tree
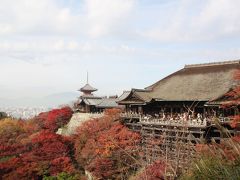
x=106, y=148
x=13, y=135
x=235, y=121
x=47, y=152
x=55, y=119
x=31, y=149
x=61, y=164
x=113, y=113
x=27, y=152
x=102, y=168
x=117, y=137
x=154, y=171
x=233, y=100
x=48, y=145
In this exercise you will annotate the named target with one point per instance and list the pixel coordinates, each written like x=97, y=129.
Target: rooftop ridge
x=212, y=64
x=140, y=90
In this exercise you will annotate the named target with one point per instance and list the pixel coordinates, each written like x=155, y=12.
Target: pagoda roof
x=88, y=87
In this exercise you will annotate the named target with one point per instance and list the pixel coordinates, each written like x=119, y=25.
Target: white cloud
x=94, y=18
x=106, y=16
x=51, y=45
x=222, y=15
x=34, y=17
x=5, y=29
x=198, y=21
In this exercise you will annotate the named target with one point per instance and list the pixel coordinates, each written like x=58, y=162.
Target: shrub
x=153, y=171
x=55, y=118
x=106, y=148
x=217, y=161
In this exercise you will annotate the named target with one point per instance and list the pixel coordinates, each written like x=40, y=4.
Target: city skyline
x=47, y=47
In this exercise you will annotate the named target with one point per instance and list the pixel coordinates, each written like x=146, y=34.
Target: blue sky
x=47, y=46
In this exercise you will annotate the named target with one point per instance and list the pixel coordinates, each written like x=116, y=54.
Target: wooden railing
x=190, y=122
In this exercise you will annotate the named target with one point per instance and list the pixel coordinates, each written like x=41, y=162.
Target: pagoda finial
x=87, y=77
x=87, y=89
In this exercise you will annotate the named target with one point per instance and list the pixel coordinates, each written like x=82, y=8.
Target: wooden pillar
x=204, y=112
x=127, y=108
x=87, y=108
x=140, y=109
x=193, y=115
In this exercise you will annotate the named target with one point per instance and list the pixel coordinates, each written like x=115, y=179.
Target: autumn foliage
x=154, y=171
x=54, y=119
x=233, y=100
x=41, y=156
x=28, y=151
x=216, y=161
x=106, y=148
x=32, y=150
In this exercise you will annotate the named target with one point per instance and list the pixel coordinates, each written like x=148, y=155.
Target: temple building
x=89, y=103
x=182, y=110
x=198, y=88
x=189, y=100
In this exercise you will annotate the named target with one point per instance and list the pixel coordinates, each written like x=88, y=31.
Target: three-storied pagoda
x=89, y=103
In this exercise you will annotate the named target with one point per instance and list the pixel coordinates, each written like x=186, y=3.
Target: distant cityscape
x=24, y=112
x=26, y=108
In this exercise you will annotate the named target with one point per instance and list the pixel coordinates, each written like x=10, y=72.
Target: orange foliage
x=113, y=113
x=154, y=171
x=228, y=149
x=28, y=152
x=31, y=149
x=233, y=98
x=106, y=148
x=235, y=121
x=10, y=130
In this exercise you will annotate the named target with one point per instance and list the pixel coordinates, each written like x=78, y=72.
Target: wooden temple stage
x=182, y=110
x=174, y=140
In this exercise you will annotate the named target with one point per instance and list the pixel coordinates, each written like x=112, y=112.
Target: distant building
x=90, y=103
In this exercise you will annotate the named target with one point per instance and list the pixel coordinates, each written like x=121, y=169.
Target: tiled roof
x=108, y=103
x=100, y=102
x=87, y=87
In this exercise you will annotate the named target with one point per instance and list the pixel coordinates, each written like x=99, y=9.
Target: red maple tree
x=233, y=100
x=154, y=171
x=31, y=149
x=107, y=148
x=55, y=118
x=46, y=153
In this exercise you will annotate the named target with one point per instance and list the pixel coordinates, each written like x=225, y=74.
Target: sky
x=47, y=46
